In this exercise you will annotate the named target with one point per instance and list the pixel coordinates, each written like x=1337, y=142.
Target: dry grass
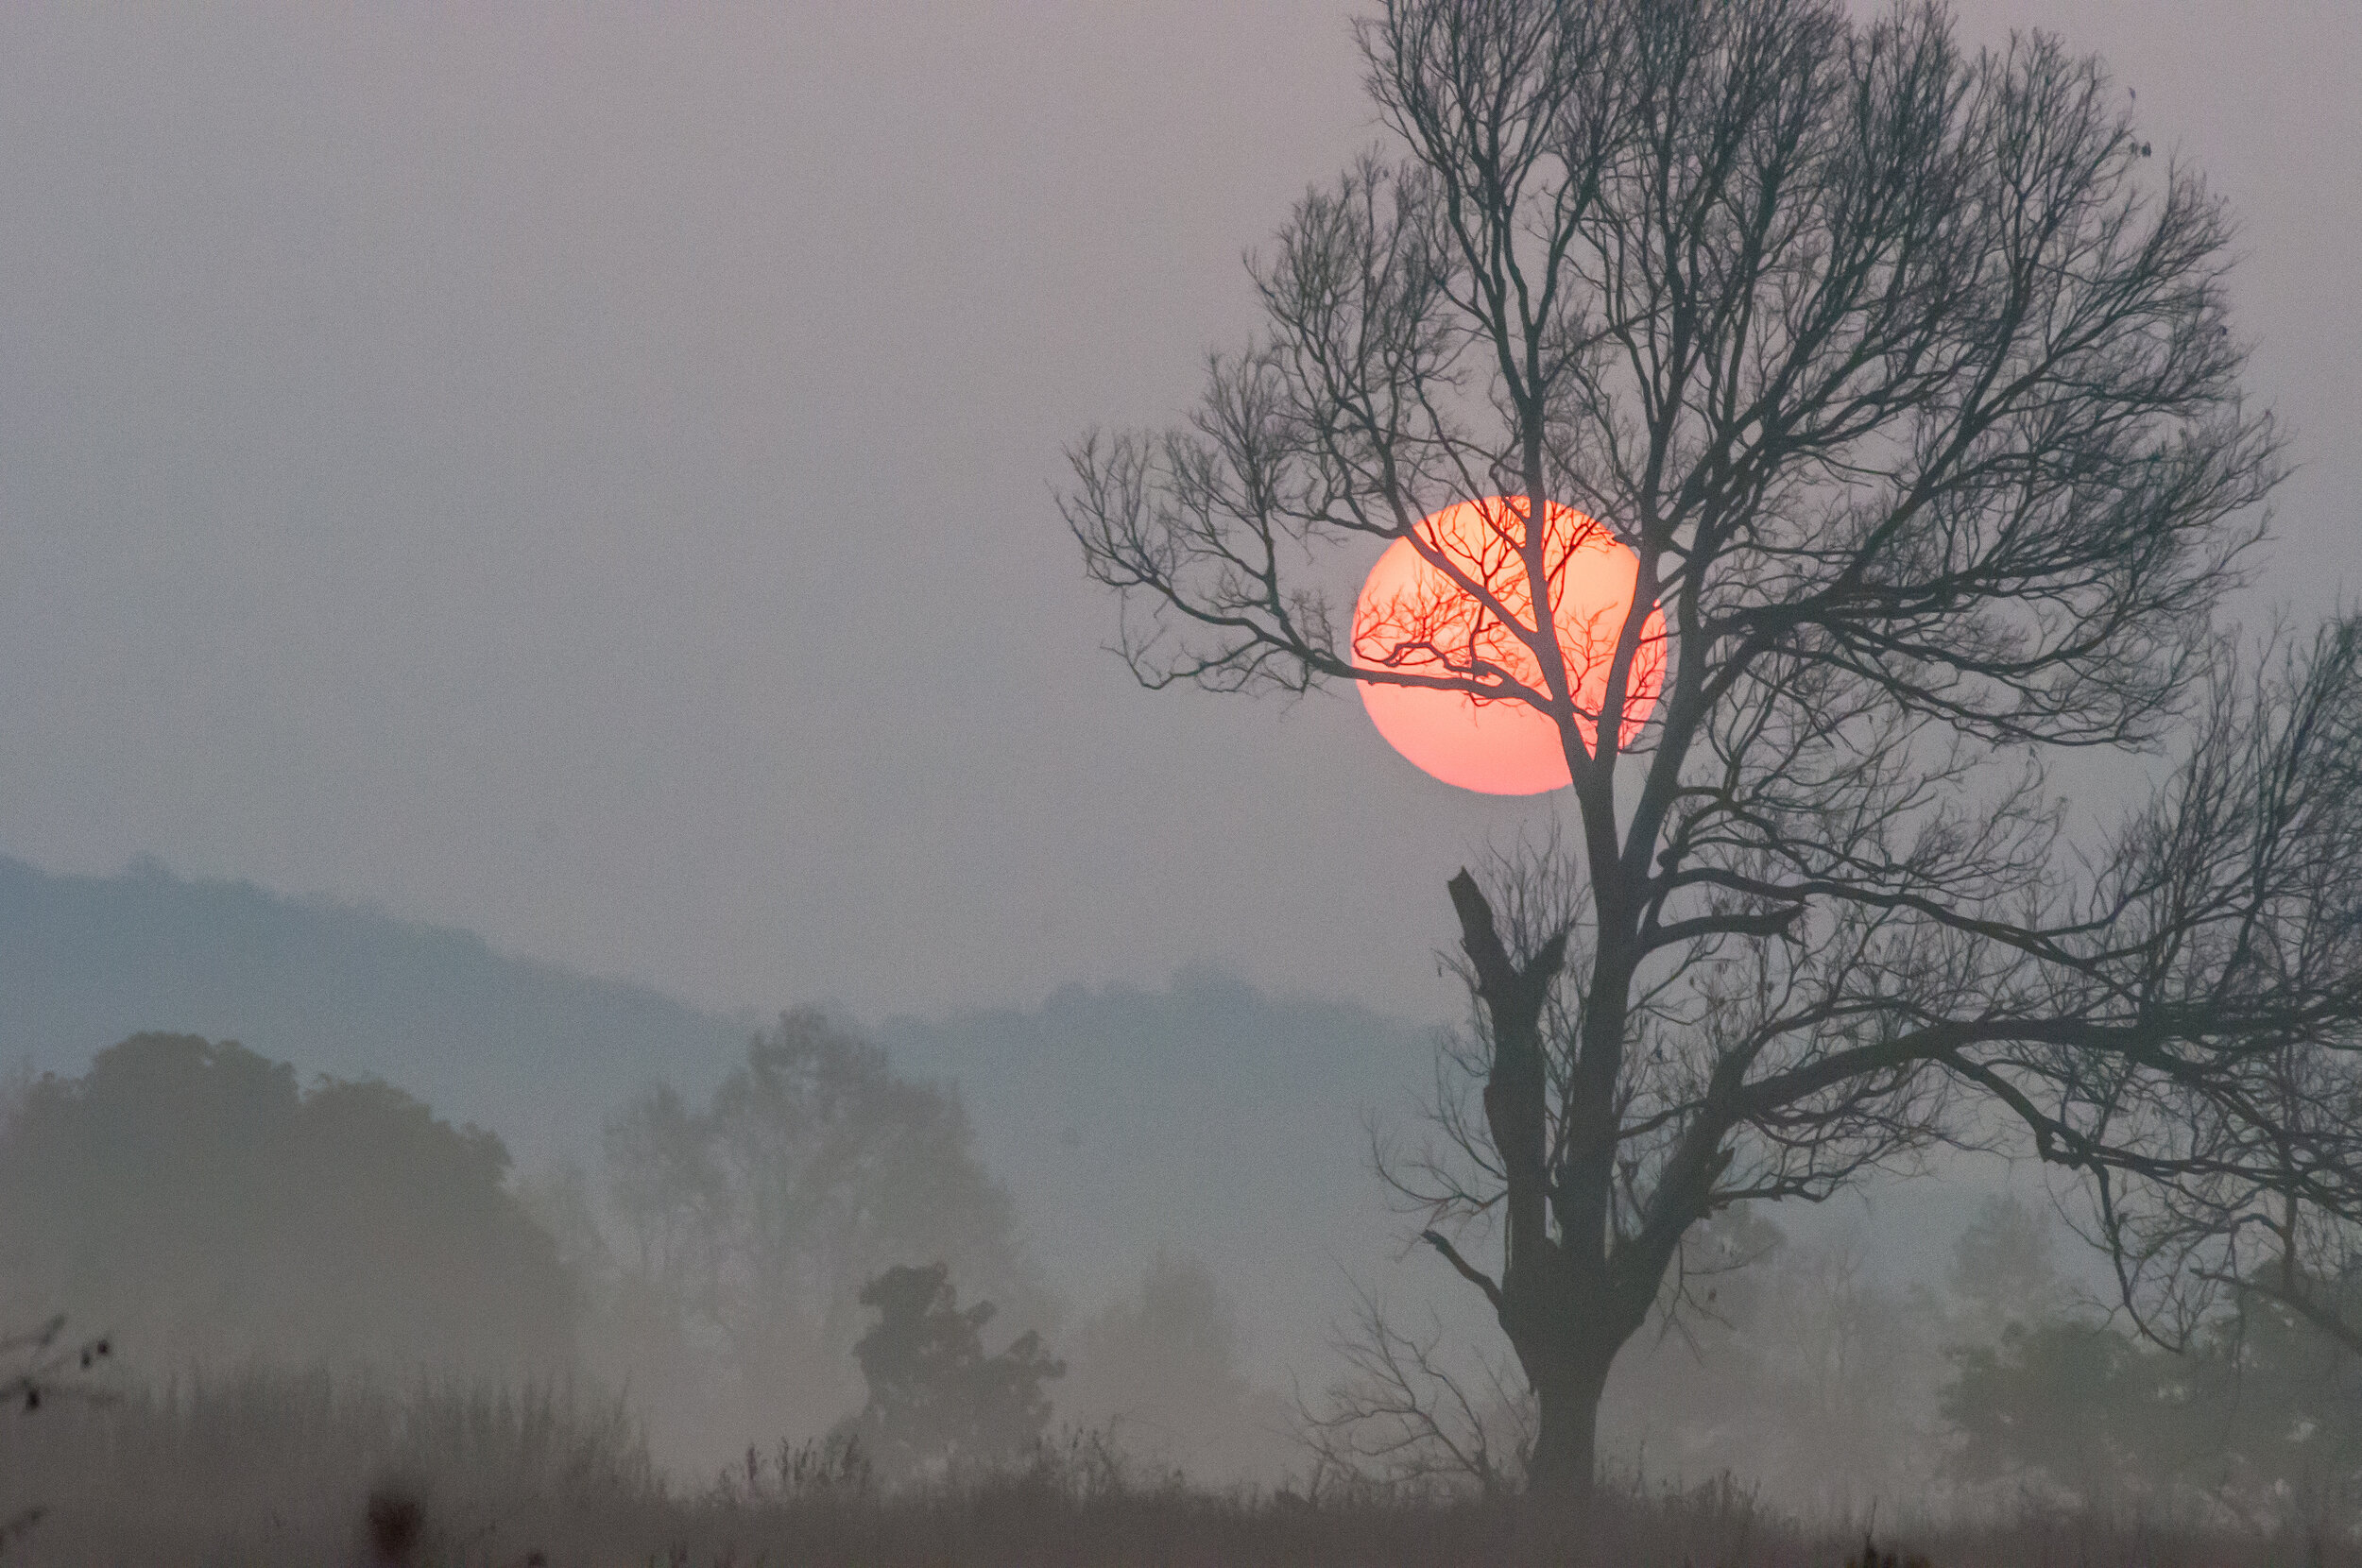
x=269, y=1470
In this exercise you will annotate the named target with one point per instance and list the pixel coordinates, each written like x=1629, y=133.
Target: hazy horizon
x=586, y=478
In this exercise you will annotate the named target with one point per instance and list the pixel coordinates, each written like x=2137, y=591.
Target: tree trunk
x=1566, y=1305
x=1565, y=1469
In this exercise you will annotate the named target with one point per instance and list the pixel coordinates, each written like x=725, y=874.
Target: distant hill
x=1207, y=1115
x=537, y=1054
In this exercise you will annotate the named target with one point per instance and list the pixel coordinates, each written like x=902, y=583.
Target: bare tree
x=46, y=1364
x=1905, y=374
x=1405, y=1416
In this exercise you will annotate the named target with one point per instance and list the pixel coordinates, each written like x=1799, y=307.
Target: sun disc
x=1412, y=616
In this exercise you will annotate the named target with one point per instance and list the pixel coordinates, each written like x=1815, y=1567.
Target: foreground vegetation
x=268, y=1470
x=130, y=1195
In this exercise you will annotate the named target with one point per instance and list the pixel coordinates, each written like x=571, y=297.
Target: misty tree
x=938, y=1401
x=755, y=1219
x=2260, y=1419
x=1158, y=1367
x=192, y=1198
x=2002, y=1269
x=1905, y=374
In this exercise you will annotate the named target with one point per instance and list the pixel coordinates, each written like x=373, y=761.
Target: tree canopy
x=192, y=1197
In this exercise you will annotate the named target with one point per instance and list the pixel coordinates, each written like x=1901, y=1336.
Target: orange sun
x=1412, y=617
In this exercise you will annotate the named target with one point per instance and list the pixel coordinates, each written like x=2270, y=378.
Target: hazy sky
x=583, y=473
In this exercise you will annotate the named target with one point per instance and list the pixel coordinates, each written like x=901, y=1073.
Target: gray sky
x=585, y=474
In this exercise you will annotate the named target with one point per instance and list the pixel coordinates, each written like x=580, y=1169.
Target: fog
x=582, y=480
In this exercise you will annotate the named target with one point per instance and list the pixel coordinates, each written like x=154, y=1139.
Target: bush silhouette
x=936, y=1400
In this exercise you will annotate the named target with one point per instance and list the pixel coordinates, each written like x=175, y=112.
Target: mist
x=575, y=823
x=1168, y=1186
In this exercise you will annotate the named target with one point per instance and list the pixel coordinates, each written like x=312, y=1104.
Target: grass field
x=286, y=1471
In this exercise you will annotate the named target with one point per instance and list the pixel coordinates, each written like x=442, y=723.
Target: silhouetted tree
x=936, y=1400
x=1906, y=376
x=191, y=1195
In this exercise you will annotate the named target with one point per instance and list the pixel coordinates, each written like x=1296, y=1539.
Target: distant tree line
x=752, y=1267
x=818, y=1235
